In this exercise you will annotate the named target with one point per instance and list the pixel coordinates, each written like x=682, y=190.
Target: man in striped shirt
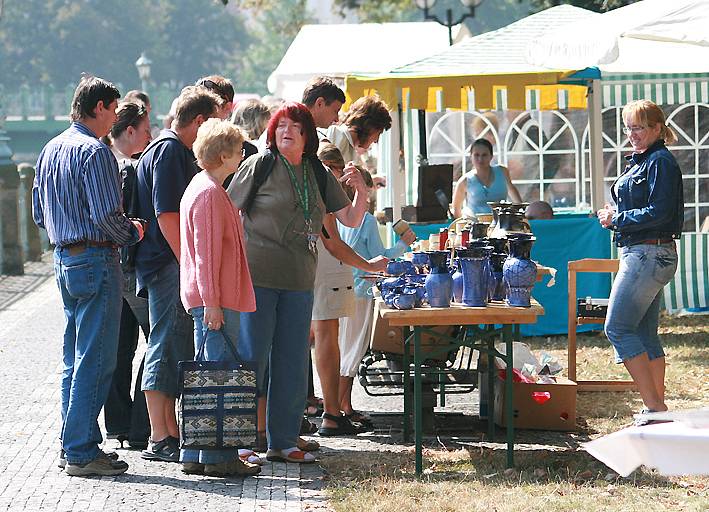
x=77, y=199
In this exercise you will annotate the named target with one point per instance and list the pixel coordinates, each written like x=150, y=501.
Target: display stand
x=589, y=265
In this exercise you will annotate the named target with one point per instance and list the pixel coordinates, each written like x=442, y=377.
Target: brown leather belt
x=75, y=248
x=655, y=241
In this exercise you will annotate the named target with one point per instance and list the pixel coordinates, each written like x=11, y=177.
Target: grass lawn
x=559, y=475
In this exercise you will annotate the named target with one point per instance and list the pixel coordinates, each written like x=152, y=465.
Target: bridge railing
x=27, y=103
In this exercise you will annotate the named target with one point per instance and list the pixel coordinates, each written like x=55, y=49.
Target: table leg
x=418, y=424
x=407, y=385
x=491, y=375
x=509, y=405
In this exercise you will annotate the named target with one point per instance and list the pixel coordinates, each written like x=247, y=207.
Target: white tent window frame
x=519, y=127
x=460, y=149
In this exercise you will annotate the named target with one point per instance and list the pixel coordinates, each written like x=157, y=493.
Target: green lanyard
x=302, y=194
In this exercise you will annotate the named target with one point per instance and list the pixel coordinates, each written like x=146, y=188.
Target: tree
x=53, y=41
x=591, y=5
x=273, y=29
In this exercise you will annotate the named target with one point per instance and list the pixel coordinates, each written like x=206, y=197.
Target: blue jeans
x=90, y=286
x=634, y=305
x=214, y=350
x=275, y=336
x=171, y=332
x=125, y=415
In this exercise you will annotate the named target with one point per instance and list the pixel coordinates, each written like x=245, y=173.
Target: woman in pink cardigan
x=215, y=284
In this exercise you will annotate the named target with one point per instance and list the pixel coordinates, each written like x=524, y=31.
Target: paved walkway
x=31, y=323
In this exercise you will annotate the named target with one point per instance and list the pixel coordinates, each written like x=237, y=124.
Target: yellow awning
x=518, y=91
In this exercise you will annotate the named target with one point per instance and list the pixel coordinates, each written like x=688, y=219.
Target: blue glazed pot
x=496, y=288
x=420, y=260
x=457, y=283
x=439, y=287
x=519, y=272
x=476, y=275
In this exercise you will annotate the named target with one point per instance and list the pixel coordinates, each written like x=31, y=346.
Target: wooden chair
x=589, y=265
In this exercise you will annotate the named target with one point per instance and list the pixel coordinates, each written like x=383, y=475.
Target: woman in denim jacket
x=648, y=217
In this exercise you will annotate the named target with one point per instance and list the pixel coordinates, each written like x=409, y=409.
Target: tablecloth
x=672, y=448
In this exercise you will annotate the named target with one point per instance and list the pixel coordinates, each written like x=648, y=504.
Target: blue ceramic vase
x=496, y=286
x=475, y=281
x=457, y=283
x=519, y=272
x=439, y=283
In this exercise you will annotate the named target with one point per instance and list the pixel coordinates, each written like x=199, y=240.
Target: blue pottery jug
x=420, y=260
x=496, y=287
x=519, y=272
x=476, y=276
x=439, y=283
x=457, y=282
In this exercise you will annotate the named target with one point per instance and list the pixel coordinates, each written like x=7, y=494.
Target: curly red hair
x=300, y=114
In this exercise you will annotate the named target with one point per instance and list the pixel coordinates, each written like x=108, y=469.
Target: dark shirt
x=165, y=169
x=650, y=197
x=77, y=192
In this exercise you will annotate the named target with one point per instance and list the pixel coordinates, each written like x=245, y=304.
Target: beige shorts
x=333, y=300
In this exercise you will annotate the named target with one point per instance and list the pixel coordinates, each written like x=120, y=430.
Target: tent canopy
x=651, y=36
x=320, y=50
x=484, y=72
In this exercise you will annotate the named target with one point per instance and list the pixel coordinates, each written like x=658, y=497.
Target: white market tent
x=340, y=49
x=655, y=49
x=488, y=71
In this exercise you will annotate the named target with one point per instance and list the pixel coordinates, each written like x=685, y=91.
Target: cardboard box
x=386, y=338
x=537, y=410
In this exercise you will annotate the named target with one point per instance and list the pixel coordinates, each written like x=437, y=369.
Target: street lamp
x=425, y=5
x=143, y=64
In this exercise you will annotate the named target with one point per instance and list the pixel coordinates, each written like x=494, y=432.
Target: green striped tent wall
x=690, y=286
x=661, y=89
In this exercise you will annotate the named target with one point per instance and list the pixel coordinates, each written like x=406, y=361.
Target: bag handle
x=229, y=343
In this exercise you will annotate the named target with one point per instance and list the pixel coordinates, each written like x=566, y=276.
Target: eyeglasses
x=633, y=129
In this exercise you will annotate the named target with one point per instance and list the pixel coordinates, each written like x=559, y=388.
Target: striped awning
x=514, y=91
x=663, y=89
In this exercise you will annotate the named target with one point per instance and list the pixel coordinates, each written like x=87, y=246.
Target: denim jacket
x=650, y=198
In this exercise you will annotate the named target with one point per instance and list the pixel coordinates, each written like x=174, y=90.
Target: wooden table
x=420, y=320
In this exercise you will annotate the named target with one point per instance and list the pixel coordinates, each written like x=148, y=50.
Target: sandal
x=247, y=455
x=290, y=455
x=307, y=446
x=314, y=407
x=641, y=421
x=360, y=417
x=307, y=427
x=345, y=427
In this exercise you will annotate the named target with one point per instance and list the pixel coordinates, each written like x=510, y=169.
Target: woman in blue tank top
x=482, y=184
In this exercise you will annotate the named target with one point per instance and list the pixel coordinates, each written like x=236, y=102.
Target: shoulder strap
x=320, y=177
x=261, y=173
x=129, y=188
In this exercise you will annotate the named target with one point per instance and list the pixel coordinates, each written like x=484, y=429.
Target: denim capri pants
x=634, y=304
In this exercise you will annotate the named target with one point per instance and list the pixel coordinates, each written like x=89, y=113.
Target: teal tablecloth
x=560, y=240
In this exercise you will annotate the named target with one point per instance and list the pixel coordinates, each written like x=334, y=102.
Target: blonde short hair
x=646, y=113
x=214, y=139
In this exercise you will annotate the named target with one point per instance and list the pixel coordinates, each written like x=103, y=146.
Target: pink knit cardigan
x=213, y=267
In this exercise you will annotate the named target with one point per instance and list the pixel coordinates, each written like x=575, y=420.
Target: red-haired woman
x=283, y=194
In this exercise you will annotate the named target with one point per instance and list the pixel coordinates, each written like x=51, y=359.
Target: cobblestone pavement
x=31, y=322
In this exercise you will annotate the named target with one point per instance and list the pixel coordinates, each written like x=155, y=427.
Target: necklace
x=303, y=201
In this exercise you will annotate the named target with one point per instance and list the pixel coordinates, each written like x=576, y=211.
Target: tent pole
x=595, y=132
x=397, y=178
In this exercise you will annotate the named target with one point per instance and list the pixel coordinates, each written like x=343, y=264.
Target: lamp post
x=425, y=5
x=143, y=64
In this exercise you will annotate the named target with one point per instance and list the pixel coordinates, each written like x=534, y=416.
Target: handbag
x=218, y=402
